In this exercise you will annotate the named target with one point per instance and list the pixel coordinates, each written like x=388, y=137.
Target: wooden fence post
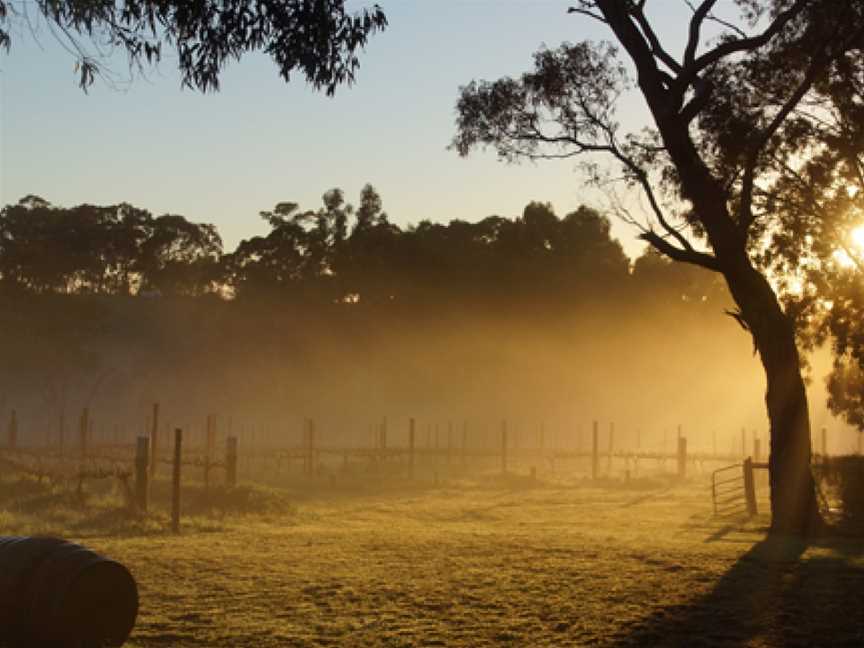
x=231, y=462
x=611, y=447
x=749, y=487
x=595, y=450
x=154, y=440
x=311, y=459
x=142, y=460
x=411, y=441
x=84, y=430
x=62, y=431
x=682, y=457
x=175, y=482
x=13, y=430
x=504, y=447
x=579, y=440
x=824, y=442
x=209, y=447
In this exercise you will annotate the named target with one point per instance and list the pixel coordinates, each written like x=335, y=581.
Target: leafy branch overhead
x=722, y=114
x=318, y=39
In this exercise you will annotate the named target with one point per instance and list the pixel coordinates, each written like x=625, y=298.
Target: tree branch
x=692, y=257
x=695, y=29
x=692, y=71
x=656, y=48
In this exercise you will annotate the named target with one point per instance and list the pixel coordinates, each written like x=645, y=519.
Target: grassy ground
x=472, y=563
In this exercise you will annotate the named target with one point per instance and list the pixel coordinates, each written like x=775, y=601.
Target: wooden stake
x=84, y=431
x=504, y=447
x=231, y=462
x=411, y=440
x=175, y=482
x=749, y=487
x=142, y=459
x=209, y=447
x=154, y=439
x=13, y=431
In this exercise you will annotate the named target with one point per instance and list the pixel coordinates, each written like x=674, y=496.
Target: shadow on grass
x=779, y=593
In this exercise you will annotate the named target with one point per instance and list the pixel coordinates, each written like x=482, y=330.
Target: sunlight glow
x=857, y=237
x=843, y=259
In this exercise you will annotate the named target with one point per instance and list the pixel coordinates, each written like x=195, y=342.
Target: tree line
x=335, y=254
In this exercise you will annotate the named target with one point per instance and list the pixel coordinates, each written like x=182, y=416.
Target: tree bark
x=794, y=506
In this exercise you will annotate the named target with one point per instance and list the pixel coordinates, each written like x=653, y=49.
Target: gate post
x=749, y=487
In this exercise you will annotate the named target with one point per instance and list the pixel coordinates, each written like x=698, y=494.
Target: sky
x=222, y=158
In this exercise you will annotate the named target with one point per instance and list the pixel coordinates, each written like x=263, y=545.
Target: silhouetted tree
x=318, y=38
x=116, y=249
x=726, y=117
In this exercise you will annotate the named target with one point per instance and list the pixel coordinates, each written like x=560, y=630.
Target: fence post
x=384, y=440
x=504, y=447
x=595, y=450
x=154, y=440
x=13, y=431
x=749, y=487
x=142, y=459
x=175, y=483
x=209, y=446
x=411, y=440
x=231, y=462
x=449, y=443
x=62, y=431
x=682, y=457
x=611, y=446
x=311, y=460
x=84, y=430
x=825, y=442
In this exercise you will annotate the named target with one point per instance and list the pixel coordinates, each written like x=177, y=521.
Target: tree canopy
x=318, y=39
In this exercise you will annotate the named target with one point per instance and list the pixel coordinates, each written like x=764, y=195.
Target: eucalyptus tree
x=727, y=113
x=319, y=39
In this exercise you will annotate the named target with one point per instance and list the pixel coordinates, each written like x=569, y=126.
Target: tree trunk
x=794, y=506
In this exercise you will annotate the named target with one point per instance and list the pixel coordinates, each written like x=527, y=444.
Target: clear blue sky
x=221, y=158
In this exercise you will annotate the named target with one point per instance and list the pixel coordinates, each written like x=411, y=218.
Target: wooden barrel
x=55, y=594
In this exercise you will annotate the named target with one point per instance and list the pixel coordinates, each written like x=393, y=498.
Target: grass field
x=472, y=563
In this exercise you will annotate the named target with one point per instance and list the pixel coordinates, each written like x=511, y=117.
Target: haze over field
x=571, y=355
